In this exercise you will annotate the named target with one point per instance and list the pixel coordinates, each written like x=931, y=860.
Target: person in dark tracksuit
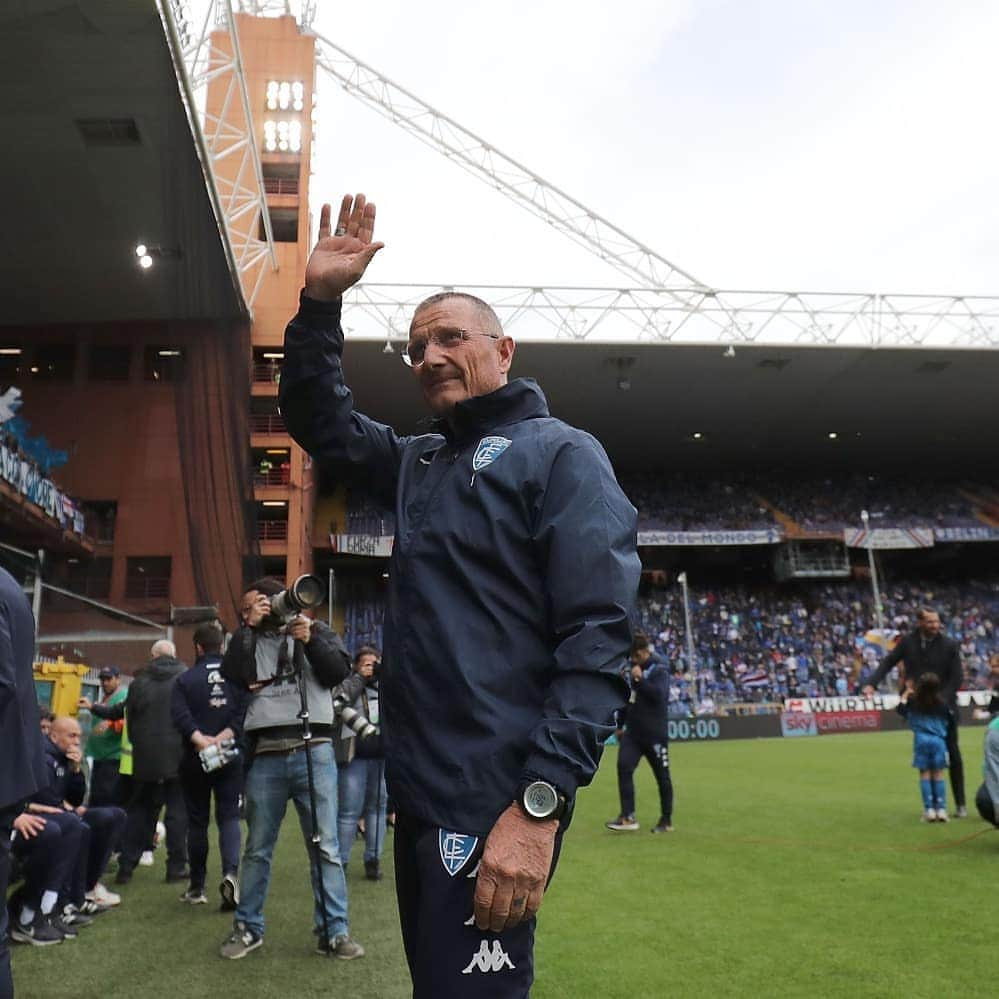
x=644, y=732
x=208, y=709
x=928, y=650
x=22, y=759
x=513, y=575
x=157, y=750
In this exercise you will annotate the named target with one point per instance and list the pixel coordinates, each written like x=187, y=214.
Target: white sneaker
x=146, y=860
x=942, y=815
x=623, y=823
x=103, y=896
x=930, y=815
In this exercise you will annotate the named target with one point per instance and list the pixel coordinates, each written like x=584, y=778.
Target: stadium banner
x=967, y=533
x=371, y=545
x=819, y=705
x=794, y=724
x=838, y=722
x=889, y=538
x=878, y=702
x=665, y=539
x=27, y=479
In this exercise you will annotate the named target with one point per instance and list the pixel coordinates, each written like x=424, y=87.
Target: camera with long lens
x=218, y=755
x=353, y=719
x=304, y=594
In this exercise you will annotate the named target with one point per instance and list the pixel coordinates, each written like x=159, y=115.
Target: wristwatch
x=541, y=801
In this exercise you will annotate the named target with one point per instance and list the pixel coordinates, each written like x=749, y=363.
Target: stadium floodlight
x=697, y=435
x=141, y=250
x=145, y=261
x=832, y=435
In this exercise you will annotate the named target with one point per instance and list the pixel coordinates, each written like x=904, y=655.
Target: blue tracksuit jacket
x=513, y=575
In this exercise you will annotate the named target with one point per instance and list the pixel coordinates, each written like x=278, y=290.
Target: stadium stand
x=815, y=503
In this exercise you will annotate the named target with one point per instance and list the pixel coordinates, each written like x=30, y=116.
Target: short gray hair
x=483, y=310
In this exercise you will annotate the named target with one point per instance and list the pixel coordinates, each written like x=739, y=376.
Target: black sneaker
x=91, y=908
x=372, y=870
x=240, y=942
x=39, y=932
x=123, y=876
x=229, y=890
x=74, y=917
x=662, y=826
x=59, y=923
x=182, y=874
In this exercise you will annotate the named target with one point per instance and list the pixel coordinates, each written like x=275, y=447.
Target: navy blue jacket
x=646, y=716
x=513, y=574
x=203, y=700
x=63, y=784
x=22, y=759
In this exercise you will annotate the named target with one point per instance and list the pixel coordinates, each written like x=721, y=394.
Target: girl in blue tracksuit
x=928, y=716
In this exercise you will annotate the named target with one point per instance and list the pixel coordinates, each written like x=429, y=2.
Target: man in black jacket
x=927, y=650
x=61, y=801
x=22, y=764
x=514, y=573
x=208, y=710
x=157, y=750
x=644, y=731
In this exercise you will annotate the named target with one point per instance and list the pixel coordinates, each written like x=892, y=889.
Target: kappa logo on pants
x=489, y=960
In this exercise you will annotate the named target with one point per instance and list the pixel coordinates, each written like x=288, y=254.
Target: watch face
x=540, y=800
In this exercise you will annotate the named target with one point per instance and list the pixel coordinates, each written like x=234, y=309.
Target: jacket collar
x=520, y=399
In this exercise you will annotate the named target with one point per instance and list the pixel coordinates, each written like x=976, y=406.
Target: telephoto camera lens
x=304, y=594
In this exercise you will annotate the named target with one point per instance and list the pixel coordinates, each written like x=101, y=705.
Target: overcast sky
x=787, y=144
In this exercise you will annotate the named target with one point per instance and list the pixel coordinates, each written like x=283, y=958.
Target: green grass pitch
x=797, y=868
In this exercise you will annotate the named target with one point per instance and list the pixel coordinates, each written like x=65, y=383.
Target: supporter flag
x=882, y=640
x=756, y=678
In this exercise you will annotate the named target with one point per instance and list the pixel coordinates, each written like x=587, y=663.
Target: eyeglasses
x=416, y=350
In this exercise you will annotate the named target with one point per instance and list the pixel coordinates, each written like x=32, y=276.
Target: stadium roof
x=98, y=157
x=763, y=407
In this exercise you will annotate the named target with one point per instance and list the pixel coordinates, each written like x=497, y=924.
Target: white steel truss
x=573, y=219
x=666, y=304
x=383, y=311
x=238, y=194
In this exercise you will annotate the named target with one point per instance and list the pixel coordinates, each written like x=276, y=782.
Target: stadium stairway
x=792, y=529
x=986, y=506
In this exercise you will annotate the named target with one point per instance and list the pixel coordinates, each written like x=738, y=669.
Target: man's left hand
x=301, y=629
x=515, y=865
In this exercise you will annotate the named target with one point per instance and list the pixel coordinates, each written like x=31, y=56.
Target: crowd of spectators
x=823, y=503
x=683, y=502
x=765, y=642
x=769, y=642
x=833, y=502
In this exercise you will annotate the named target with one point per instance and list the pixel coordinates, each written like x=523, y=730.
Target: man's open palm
x=341, y=255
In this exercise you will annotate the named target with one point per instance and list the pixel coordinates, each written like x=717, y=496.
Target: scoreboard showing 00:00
x=684, y=729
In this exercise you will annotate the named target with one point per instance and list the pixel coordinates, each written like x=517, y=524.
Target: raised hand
x=341, y=255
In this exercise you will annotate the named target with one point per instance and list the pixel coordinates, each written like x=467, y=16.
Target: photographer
x=267, y=656
x=361, y=764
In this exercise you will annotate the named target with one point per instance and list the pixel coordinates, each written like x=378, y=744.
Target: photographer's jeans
x=273, y=780
x=362, y=792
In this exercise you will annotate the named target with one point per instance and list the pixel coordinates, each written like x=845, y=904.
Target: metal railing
x=285, y=186
x=147, y=587
x=272, y=530
x=267, y=423
x=267, y=373
x=274, y=477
